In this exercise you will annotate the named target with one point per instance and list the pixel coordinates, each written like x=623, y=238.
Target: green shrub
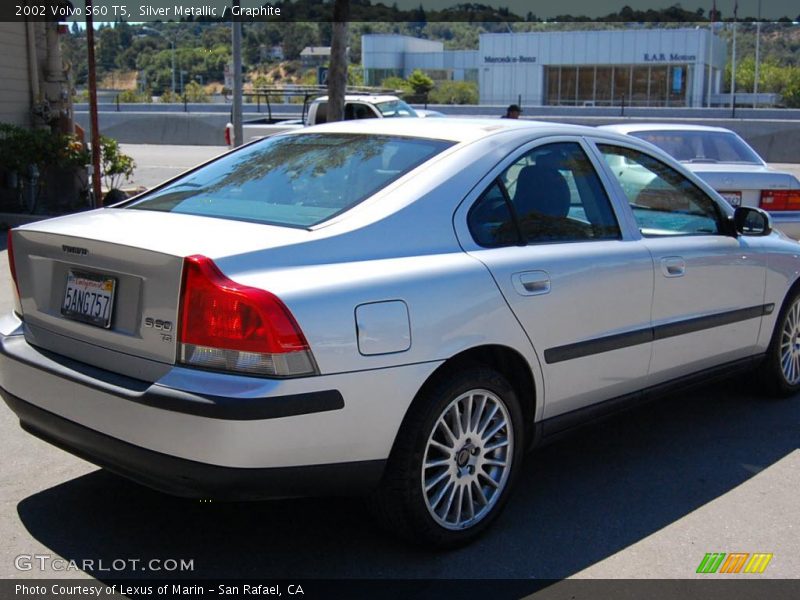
x=135, y=97
x=21, y=148
x=115, y=166
x=454, y=92
x=195, y=92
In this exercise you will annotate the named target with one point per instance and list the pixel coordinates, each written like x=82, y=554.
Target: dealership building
x=637, y=67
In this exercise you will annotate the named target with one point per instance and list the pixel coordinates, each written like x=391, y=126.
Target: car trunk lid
x=135, y=255
x=746, y=180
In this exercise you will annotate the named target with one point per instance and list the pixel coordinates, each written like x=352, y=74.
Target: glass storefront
x=636, y=85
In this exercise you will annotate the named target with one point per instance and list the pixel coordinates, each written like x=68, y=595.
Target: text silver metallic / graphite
x=180, y=10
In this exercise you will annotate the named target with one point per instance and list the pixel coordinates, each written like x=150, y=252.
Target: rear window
x=701, y=146
x=293, y=180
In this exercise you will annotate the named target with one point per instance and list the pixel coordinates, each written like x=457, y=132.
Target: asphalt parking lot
x=644, y=495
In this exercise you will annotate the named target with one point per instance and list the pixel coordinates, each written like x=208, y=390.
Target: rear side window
x=550, y=194
x=293, y=180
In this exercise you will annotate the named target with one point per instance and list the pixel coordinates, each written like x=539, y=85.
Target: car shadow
x=576, y=502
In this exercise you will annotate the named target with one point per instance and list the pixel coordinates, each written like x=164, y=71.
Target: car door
x=546, y=229
x=709, y=284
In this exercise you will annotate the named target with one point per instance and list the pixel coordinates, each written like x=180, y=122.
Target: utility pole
x=237, y=79
x=711, y=49
x=758, y=58
x=733, y=58
x=96, y=185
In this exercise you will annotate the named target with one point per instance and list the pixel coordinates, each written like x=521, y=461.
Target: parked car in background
x=729, y=165
x=428, y=113
x=357, y=106
x=395, y=308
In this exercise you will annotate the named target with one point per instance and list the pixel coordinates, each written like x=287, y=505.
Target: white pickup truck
x=355, y=107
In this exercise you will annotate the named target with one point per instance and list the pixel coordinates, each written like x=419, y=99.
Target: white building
x=640, y=67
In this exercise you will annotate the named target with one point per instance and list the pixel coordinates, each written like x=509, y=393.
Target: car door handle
x=532, y=283
x=673, y=266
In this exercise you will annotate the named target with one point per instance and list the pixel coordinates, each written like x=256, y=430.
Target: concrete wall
x=776, y=140
x=200, y=129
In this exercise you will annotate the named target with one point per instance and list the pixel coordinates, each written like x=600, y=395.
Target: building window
x=678, y=76
x=590, y=85
x=376, y=76
x=640, y=88
x=553, y=76
x=604, y=79
x=586, y=86
x=622, y=85
x=569, y=85
x=658, y=86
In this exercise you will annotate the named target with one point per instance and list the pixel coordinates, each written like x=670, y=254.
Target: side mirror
x=751, y=221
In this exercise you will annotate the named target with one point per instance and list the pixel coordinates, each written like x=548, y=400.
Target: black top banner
x=399, y=11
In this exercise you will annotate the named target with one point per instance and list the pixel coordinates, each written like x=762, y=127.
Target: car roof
x=373, y=98
x=637, y=127
x=452, y=129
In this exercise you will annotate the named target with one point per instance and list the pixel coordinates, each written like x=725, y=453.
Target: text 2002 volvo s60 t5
x=399, y=308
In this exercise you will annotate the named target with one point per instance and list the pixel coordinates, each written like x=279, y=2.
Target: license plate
x=733, y=198
x=89, y=298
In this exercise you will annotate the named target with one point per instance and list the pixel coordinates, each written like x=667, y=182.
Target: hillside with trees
x=271, y=50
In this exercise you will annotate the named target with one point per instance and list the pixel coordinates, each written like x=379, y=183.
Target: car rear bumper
x=181, y=477
x=196, y=433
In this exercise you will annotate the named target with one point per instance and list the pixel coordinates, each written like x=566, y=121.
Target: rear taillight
x=228, y=140
x=13, y=268
x=780, y=199
x=232, y=327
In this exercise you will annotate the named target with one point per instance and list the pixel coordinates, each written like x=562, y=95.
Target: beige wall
x=15, y=95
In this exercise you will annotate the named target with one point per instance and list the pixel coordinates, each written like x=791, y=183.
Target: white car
x=357, y=106
x=729, y=165
x=398, y=307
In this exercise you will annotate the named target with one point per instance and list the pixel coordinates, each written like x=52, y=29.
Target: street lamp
x=171, y=43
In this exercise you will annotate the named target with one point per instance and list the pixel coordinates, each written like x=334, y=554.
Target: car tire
x=447, y=478
x=779, y=373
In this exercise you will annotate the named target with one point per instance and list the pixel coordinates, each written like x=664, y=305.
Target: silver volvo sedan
x=394, y=308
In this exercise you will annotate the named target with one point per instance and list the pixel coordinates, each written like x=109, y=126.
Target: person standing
x=513, y=112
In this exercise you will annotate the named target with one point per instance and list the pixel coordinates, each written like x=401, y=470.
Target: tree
x=108, y=48
x=420, y=83
x=337, y=70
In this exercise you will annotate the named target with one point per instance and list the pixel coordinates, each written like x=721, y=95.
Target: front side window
x=294, y=180
x=550, y=194
x=663, y=201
